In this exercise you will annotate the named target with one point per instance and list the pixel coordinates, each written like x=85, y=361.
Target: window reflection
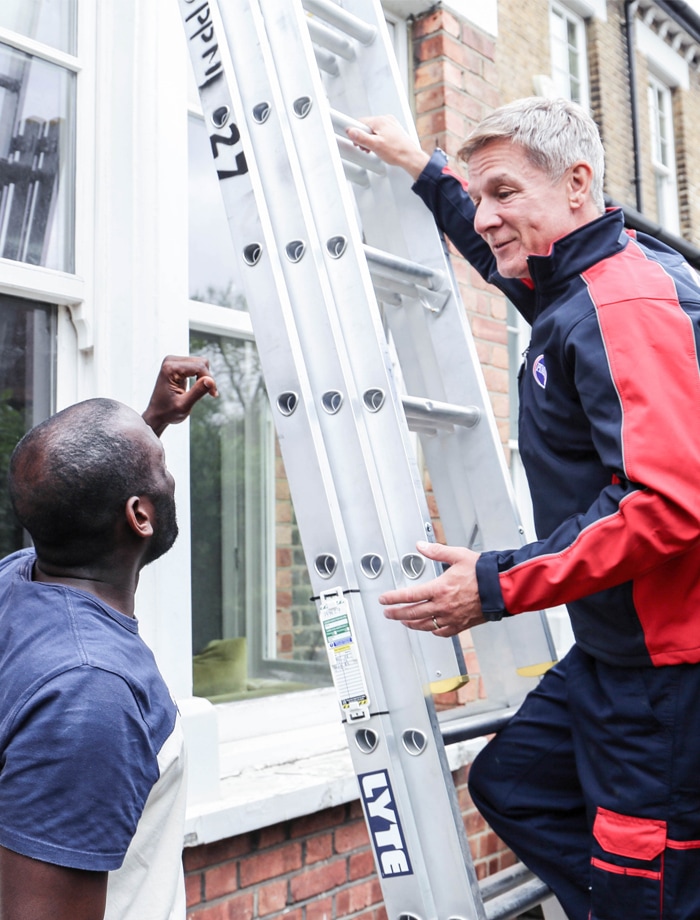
x=254, y=629
x=27, y=362
x=37, y=161
x=52, y=22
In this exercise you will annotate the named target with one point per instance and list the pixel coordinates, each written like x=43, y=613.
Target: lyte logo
x=384, y=824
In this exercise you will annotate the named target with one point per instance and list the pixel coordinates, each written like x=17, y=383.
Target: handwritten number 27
x=234, y=138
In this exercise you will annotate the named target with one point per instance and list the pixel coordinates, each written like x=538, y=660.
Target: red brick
x=294, y=914
x=285, y=644
x=428, y=24
x=490, y=329
x=358, y=897
x=320, y=821
x=496, y=379
x=272, y=898
x=193, y=889
x=351, y=837
x=321, y=909
x=283, y=557
x=360, y=865
x=440, y=45
x=318, y=881
x=499, y=356
x=355, y=810
x=211, y=853
x=479, y=42
x=473, y=821
x=220, y=880
x=270, y=836
x=377, y=913
x=270, y=864
x=488, y=844
x=437, y=71
x=238, y=908
x=318, y=848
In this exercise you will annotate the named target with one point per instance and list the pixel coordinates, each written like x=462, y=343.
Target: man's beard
x=165, y=529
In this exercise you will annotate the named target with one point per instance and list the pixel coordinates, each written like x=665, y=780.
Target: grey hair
x=554, y=133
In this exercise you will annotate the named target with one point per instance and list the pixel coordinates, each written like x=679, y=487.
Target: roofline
x=683, y=14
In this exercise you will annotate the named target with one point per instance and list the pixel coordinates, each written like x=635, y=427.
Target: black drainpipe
x=636, y=221
x=630, y=6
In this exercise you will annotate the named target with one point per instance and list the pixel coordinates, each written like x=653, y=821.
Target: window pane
x=568, y=51
x=254, y=629
x=663, y=159
x=37, y=161
x=213, y=267
x=27, y=362
x=52, y=22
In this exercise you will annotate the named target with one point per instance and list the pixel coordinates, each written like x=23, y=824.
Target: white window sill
x=269, y=773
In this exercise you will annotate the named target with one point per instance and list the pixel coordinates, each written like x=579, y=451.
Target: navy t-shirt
x=84, y=713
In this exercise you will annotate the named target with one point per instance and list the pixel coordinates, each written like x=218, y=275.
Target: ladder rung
x=348, y=150
x=341, y=121
x=494, y=885
x=341, y=19
x=326, y=61
x=356, y=174
x=385, y=295
x=511, y=904
x=476, y=726
x=439, y=414
x=393, y=284
x=431, y=300
x=352, y=154
x=390, y=266
x=330, y=40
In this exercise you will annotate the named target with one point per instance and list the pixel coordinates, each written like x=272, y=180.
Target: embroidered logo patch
x=539, y=371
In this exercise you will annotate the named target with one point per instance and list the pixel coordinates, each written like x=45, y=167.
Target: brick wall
x=456, y=84
x=523, y=46
x=611, y=101
x=315, y=868
x=688, y=150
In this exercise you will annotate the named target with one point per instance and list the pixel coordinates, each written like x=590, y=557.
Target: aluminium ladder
x=325, y=233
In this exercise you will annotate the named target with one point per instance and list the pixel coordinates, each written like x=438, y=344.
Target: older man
x=91, y=750
x=594, y=783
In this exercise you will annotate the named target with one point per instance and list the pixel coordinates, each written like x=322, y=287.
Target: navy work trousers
x=595, y=785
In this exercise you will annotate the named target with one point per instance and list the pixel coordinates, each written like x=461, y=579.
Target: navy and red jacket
x=609, y=433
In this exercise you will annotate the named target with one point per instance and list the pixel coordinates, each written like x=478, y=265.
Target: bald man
x=91, y=749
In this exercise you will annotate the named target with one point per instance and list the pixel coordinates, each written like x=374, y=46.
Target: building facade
x=114, y=252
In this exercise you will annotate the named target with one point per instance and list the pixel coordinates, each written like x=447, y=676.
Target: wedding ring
x=436, y=625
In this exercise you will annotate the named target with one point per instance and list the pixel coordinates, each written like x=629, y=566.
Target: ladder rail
x=384, y=636
x=484, y=516
x=341, y=418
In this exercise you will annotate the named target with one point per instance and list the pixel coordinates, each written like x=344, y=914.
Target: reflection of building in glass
x=36, y=160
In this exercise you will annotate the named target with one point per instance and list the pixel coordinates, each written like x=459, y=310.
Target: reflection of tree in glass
x=235, y=425
x=222, y=297
x=11, y=430
x=223, y=428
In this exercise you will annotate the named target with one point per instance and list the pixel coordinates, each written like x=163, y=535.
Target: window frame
x=69, y=291
x=660, y=109
x=570, y=17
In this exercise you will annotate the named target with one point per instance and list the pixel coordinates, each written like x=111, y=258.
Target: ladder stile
x=439, y=360
x=325, y=234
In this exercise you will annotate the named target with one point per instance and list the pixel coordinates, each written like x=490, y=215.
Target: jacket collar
x=578, y=251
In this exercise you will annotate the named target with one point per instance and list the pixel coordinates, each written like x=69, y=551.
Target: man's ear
x=579, y=184
x=139, y=514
